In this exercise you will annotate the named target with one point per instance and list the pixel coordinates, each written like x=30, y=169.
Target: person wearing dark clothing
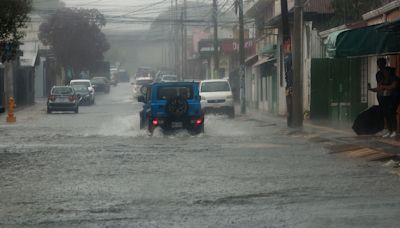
x=386, y=95
x=381, y=62
x=398, y=107
x=387, y=86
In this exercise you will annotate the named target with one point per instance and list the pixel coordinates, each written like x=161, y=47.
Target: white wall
x=40, y=80
x=372, y=69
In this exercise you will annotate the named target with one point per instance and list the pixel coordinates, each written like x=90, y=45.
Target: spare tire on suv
x=177, y=107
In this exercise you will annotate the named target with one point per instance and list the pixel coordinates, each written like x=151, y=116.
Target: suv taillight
x=199, y=121
x=71, y=98
x=155, y=122
x=52, y=97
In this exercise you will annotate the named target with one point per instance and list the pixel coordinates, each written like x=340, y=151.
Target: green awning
x=366, y=41
x=390, y=27
x=330, y=44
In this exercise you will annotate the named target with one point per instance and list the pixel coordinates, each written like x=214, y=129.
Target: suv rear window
x=215, y=86
x=166, y=93
x=62, y=91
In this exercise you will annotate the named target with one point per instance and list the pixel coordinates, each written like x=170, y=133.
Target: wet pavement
x=97, y=169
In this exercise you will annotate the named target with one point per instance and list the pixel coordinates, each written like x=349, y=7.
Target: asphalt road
x=97, y=169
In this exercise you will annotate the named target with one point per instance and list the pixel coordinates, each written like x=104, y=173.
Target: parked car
x=217, y=97
x=172, y=105
x=101, y=84
x=138, y=84
x=114, y=79
x=145, y=72
x=123, y=75
x=87, y=84
x=83, y=93
x=62, y=98
x=160, y=73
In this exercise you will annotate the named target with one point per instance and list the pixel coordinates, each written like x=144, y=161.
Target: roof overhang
x=382, y=10
x=263, y=60
x=251, y=60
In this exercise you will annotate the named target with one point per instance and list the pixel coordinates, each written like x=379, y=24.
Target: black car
x=62, y=98
x=100, y=84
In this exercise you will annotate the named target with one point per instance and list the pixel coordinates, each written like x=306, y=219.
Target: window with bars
x=364, y=80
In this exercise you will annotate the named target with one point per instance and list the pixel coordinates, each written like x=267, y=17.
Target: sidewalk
x=342, y=140
x=26, y=112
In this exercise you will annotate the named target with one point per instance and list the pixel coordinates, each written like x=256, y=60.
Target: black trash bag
x=369, y=122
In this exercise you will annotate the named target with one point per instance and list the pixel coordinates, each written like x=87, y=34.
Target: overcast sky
x=122, y=10
x=119, y=11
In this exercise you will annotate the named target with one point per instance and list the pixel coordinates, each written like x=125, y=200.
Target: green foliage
x=75, y=37
x=347, y=11
x=13, y=18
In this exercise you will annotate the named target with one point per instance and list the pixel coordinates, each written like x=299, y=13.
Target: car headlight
x=229, y=97
x=203, y=98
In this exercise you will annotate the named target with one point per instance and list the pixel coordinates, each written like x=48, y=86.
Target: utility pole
x=216, y=43
x=184, y=41
x=287, y=52
x=171, y=37
x=177, y=70
x=182, y=44
x=297, y=65
x=242, y=60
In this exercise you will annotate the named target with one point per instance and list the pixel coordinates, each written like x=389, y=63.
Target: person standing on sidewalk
x=387, y=89
x=381, y=62
x=385, y=93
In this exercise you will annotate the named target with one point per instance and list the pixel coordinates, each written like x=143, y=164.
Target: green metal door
x=339, y=103
x=336, y=90
x=274, y=95
x=320, y=74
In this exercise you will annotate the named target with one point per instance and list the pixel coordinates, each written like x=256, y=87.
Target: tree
x=75, y=37
x=13, y=18
x=350, y=11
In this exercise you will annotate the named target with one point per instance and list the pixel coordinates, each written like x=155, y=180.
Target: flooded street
x=97, y=169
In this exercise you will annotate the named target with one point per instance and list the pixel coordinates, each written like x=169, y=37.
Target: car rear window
x=87, y=84
x=215, y=86
x=166, y=93
x=98, y=80
x=170, y=78
x=80, y=88
x=144, y=82
x=62, y=91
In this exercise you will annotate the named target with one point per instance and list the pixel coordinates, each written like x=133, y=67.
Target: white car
x=138, y=84
x=86, y=83
x=216, y=96
x=169, y=78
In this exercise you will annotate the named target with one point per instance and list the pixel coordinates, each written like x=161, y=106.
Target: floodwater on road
x=97, y=169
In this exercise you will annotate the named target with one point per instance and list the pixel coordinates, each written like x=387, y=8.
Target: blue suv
x=172, y=105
